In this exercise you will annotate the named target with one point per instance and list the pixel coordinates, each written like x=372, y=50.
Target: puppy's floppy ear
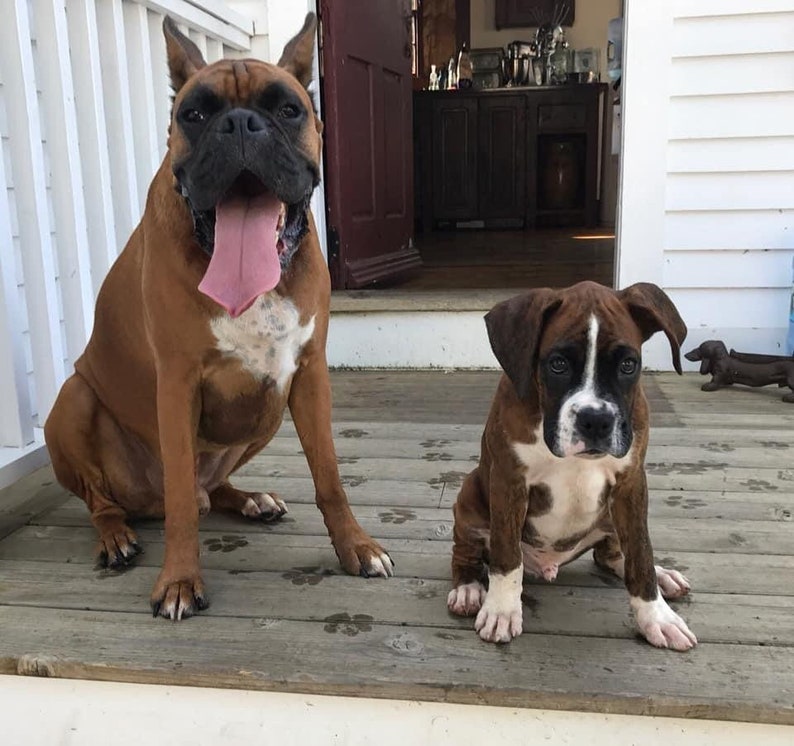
x=184, y=57
x=653, y=311
x=514, y=330
x=298, y=54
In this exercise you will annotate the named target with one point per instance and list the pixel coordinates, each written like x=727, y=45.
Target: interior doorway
x=513, y=180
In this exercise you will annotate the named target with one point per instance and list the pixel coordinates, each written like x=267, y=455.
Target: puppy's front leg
x=310, y=406
x=500, y=618
x=659, y=624
x=179, y=590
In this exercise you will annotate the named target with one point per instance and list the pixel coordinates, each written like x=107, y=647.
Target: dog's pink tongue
x=245, y=260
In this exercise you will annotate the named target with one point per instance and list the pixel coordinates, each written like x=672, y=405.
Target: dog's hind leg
x=468, y=550
x=608, y=556
x=261, y=506
x=72, y=432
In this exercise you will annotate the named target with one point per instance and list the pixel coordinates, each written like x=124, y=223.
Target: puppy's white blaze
x=590, y=363
x=584, y=396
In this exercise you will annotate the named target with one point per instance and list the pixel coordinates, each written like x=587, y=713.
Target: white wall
x=84, y=106
x=708, y=187
x=589, y=28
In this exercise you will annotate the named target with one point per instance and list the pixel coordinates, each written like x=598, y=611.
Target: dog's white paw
x=264, y=507
x=499, y=625
x=500, y=618
x=661, y=626
x=466, y=599
x=672, y=583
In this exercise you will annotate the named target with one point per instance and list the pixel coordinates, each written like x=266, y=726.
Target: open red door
x=367, y=108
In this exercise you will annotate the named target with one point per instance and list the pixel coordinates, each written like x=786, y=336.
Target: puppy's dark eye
x=193, y=116
x=288, y=111
x=558, y=365
x=628, y=366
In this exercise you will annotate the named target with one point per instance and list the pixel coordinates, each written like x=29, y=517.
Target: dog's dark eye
x=193, y=116
x=628, y=366
x=558, y=365
x=288, y=111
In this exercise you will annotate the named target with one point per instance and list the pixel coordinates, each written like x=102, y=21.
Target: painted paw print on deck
x=396, y=515
x=226, y=543
x=307, y=575
x=353, y=480
x=777, y=445
x=665, y=469
x=453, y=478
x=759, y=485
x=353, y=433
x=689, y=503
x=719, y=447
x=348, y=625
x=434, y=443
x=437, y=456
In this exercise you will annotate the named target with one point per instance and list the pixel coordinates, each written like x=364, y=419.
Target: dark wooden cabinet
x=491, y=156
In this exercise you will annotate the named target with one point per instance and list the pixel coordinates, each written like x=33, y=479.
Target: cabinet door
x=455, y=157
x=502, y=135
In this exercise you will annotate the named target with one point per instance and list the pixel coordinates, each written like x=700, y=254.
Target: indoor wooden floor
x=513, y=259
x=284, y=618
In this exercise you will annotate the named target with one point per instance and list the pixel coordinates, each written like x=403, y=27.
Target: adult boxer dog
x=212, y=320
x=561, y=469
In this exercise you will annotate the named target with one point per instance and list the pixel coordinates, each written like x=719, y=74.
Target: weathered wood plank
x=743, y=682
x=433, y=524
x=549, y=609
x=665, y=476
x=306, y=556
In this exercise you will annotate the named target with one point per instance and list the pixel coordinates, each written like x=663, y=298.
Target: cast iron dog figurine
x=744, y=368
x=561, y=468
x=212, y=320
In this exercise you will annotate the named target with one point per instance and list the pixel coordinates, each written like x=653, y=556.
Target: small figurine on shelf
x=433, y=84
x=464, y=71
x=452, y=75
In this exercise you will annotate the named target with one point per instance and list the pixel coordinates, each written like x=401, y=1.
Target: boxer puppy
x=212, y=321
x=561, y=468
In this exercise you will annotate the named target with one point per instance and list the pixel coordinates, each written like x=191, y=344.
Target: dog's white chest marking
x=267, y=338
x=576, y=485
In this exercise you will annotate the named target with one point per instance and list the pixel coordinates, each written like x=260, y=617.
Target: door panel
x=367, y=94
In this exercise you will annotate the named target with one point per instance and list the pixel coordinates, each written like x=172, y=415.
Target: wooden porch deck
x=284, y=618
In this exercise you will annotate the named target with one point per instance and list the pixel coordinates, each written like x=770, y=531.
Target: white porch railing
x=84, y=107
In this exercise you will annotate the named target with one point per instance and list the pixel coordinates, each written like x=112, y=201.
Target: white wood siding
x=84, y=106
x=725, y=91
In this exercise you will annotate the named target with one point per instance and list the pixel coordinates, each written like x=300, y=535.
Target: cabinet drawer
x=562, y=116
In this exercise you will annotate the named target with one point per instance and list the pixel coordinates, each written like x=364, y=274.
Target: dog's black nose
x=595, y=424
x=243, y=121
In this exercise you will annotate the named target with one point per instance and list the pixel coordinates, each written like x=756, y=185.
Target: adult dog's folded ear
x=653, y=311
x=298, y=53
x=515, y=327
x=184, y=57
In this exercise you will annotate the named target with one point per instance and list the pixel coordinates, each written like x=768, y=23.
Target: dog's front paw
x=178, y=597
x=360, y=555
x=499, y=624
x=466, y=599
x=661, y=626
x=672, y=583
